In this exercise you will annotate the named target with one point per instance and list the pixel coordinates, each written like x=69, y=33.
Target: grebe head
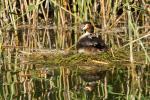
x=88, y=27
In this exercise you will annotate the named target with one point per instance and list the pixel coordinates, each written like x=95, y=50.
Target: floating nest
x=102, y=60
x=91, y=67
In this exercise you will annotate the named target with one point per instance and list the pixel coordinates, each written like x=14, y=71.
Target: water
x=28, y=72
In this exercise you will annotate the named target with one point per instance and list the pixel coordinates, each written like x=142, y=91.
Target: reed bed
x=121, y=23
x=34, y=25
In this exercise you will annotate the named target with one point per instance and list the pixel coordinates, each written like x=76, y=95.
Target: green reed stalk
x=22, y=10
x=141, y=43
x=12, y=16
x=102, y=89
x=75, y=19
x=59, y=83
x=130, y=31
x=34, y=13
x=103, y=13
x=1, y=41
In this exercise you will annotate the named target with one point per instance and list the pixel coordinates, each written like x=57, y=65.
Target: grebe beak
x=85, y=27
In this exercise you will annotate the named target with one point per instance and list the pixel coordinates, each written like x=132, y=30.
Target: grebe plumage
x=89, y=42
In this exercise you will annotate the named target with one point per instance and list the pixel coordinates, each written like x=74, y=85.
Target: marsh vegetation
x=38, y=58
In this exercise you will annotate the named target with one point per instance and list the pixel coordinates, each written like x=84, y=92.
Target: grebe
x=89, y=42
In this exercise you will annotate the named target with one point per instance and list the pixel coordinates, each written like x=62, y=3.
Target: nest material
x=100, y=61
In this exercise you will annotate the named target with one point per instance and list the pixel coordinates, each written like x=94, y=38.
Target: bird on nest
x=89, y=42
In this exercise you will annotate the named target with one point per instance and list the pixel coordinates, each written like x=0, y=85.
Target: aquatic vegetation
x=38, y=58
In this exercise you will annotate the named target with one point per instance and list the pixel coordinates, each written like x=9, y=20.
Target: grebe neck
x=85, y=34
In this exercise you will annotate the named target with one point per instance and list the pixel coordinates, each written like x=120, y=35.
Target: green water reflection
x=45, y=83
